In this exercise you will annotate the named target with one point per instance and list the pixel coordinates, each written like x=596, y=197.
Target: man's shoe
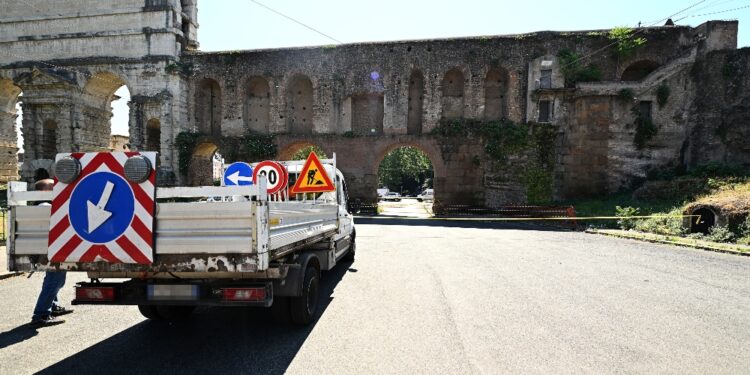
x=46, y=321
x=60, y=311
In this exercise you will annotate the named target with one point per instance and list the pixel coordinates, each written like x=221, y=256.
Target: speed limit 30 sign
x=275, y=173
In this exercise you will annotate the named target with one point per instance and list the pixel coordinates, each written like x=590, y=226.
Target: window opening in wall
x=545, y=111
x=153, y=135
x=545, y=80
x=644, y=108
x=49, y=140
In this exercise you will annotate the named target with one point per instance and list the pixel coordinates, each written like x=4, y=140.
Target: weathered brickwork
x=362, y=100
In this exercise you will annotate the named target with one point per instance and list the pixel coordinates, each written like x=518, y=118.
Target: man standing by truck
x=48, y=309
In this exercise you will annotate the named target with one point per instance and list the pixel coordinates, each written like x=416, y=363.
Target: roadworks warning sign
x=313, y=178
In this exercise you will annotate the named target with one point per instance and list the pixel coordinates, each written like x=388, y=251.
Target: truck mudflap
x=179, y=292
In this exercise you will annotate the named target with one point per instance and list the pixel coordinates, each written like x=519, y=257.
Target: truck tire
x=303, y=308
x=174, y=312
x=349, y=257
x=149, y=311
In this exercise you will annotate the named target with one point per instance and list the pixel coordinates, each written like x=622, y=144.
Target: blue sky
x=242, y=24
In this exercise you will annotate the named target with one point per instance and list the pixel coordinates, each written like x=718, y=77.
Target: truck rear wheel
x=352, y=250
x=149, y=311
x=303, y=308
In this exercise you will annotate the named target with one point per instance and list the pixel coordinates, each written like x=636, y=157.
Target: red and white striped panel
x=134, y=245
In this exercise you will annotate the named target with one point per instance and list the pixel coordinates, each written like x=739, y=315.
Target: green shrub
x=626, y=44
x=664, y=225
x=720, y=233
x=624, y=213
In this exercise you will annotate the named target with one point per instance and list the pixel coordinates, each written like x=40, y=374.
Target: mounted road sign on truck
x=176, y=249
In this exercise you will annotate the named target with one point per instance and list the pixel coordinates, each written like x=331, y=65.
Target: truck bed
x=243, y=236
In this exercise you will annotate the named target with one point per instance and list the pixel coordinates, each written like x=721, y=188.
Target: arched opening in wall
x=208, y=107
x=495, y=91
x=41, y=174
x=257, y=105
x=108, y=115
x=153, y=135
x=367, y=114
x=416, y=100
x=300, y=151
x=453, y=94
x=639, y=70
x=406, y=183
x=206, y=165
x=49, y=140
x=11, y=141
x=299, y=103
x=704, y=222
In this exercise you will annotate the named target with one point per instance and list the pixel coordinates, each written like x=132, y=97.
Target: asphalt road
x=434, y=297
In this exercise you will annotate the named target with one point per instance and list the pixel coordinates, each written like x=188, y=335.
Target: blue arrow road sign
x=238, y=174
x=102, y=206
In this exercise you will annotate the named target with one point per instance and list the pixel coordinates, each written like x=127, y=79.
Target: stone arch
x=100, y=93
x=208, y=104
x=201, y=171
x=453, y=94
x=416, y=103
x=299, y=105
x=495, y=93
x=9, y=136
x=639, y=70
x=49, y=139
x=153, y=135
x=257, y=113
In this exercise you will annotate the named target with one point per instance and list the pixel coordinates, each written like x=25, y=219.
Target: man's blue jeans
x=53, y=282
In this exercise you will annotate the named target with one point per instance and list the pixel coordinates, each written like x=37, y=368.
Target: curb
x=9, y=275
x=656, y=238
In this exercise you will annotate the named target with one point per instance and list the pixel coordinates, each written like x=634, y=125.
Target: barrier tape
x=559, y=218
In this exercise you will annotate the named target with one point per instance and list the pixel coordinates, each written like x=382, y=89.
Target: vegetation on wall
x=626, y=94
x=504, y=140
x=625, y=41
x=574, y=71
x=185, y=143
x=304, y=152
x=645, y=129
x=662, y=94
x=252, y=147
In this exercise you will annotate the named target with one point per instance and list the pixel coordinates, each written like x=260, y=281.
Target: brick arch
x=496, y=93
x=286, y=151
x=638, y=70
x=432, y=152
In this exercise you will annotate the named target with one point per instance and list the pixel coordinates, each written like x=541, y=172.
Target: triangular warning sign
x=313, y=178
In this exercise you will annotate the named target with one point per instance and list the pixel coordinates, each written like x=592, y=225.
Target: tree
x=406, y=169
x=304, y=152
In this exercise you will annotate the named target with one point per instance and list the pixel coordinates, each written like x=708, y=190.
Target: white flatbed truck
x=247, y=250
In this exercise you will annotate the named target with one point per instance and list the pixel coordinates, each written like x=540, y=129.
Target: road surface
x=434, y=297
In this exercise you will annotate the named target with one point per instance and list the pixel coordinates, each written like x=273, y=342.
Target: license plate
x=172, y=292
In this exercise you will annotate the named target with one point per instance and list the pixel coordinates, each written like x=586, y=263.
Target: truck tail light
x=95, y=293
x=244, y=294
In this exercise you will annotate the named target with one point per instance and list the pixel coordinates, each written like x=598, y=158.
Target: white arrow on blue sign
x=238, y=174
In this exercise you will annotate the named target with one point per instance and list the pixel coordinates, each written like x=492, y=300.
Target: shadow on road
x=464, y=223
x=215, y=340
x=17, y=335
